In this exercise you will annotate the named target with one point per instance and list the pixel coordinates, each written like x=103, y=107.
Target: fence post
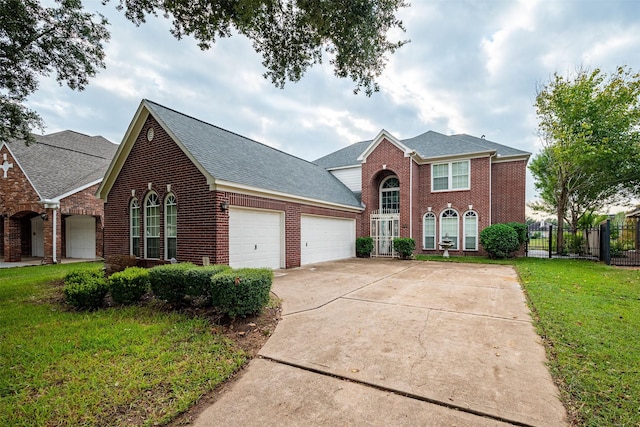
x=605, y=242
x=550, y=239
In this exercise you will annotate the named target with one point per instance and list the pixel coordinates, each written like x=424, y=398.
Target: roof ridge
x=230, y=132
x=70, y=149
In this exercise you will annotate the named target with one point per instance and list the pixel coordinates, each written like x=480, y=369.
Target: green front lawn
x=116, y=366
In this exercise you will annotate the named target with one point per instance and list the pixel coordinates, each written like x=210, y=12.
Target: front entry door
x=37, y=237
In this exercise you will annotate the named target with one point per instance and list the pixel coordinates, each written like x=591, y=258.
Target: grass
x=589, y=316
x=117, y=366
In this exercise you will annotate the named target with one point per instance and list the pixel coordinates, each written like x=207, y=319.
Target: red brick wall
x=508, y=199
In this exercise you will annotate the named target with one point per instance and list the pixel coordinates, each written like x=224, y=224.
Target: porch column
x=12, y=239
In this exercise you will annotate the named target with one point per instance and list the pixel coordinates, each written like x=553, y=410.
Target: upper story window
x=390, y=195
x=152, y=226
x=171, y=226
x=134, y=227
x=450, y=176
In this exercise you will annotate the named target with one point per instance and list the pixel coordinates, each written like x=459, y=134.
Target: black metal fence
x=612, y=243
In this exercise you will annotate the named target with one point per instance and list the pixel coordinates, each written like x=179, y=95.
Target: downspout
x=55, y=235
x=411, y=196
x=491, y=187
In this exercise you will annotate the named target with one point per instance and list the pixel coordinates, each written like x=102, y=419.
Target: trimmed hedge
x=85, y=289
x=241, y=292
x=521, y=230
x=364, y=246
x=198, y=281
x=128, y=286
x=169, y=281
x=499, y=240
x=404, y=246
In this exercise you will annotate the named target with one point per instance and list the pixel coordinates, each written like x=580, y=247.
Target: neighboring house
x=185, y=189
x=48, y=206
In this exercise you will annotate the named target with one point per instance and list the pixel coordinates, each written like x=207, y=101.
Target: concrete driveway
x=389, y=342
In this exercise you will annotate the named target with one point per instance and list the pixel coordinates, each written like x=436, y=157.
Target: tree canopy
x=291, y=36
x=39, y=41
x=590, y=127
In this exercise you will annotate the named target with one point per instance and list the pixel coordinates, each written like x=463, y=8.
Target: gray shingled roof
x=64, y=161
x=230, y=157
x=428, y=145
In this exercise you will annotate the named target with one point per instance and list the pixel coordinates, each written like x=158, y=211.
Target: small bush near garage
x=85, y=289
x=499, y=240
x=128, y=286
x=169, y=281
x=521, y=230
x=241, y=292
x=364, y=246
x=199, y=282
x=404, y=246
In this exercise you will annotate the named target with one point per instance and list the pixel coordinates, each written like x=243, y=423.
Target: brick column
x=221, y=224
x=12, y=240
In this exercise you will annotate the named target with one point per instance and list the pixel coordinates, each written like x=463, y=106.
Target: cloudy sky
x=473, y=66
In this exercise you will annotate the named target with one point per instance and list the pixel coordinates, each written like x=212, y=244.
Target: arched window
x=152, y=226
x=449, y=226
x=470, y=231
x=134, y=227
x=429, y=230
x=390, y=195
x=171, y=226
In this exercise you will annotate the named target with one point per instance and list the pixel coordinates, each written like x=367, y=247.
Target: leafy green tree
x=590, y=127
x=39, y=41
x=291, y=35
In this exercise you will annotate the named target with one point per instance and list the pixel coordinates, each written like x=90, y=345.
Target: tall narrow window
x=390, y=195
x=134, y=227
x=470, y=231
x=171, y=226
x=449, y=226
x=152, y=226
x=429, y=230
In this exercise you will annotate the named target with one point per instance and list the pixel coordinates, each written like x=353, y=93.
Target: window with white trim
x=171, y=226
x=450, y=176
x=449, y=226
x=429, y=231
x=152, y=226
x=390, y=195
x=134, y=227
x=470, y=231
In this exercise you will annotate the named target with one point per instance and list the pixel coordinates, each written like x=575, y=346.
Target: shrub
x=522, y=231
x=199, y=282
x=169, y=282
x=575, y=244
x=404, y=246
x=364, y=246
x=499, y=240
x=85, y=289
x=128, y=286
x=241, y=292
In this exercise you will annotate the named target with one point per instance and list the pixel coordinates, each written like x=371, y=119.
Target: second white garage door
x=326, y=239
x=81, y=236
x=255, y=238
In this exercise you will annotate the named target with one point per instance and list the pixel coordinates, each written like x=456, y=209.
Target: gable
x=15, y=188
x=384, y=136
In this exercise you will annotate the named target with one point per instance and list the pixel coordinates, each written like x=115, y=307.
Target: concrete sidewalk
x=388, y=342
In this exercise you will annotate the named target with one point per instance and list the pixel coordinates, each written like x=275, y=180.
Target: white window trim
x=435, y=230
x=464, y=229
x=450, y=177
x=387, y=190
x=457, y=245
x=166, y=223
x=146, y=218
x=131, y=236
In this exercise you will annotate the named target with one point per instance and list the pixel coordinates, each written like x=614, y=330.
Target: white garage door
x=326, y=239
x=81, y=236
x=255, y=238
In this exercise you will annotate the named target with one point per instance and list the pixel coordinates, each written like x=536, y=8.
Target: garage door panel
x=81, y=236
x=326, y=238
x=255, y=238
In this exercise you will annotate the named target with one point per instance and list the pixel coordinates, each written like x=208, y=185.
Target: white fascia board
x=15, y=159
x=503, y=159
x=477, y=154
x=344, y=167
x=77, y=190
x=378, y=139
x=234, y=187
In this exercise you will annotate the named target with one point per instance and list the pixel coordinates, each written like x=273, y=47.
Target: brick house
x=182, y=188
x=48, y=206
